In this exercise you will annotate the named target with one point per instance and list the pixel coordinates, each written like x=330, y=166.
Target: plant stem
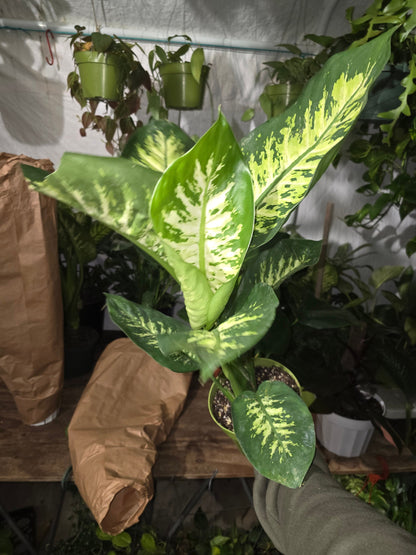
x=228, y=394
x=235, y=374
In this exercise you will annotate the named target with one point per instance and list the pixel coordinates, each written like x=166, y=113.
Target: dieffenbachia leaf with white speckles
x=144, y=326
x=275, y=431
x=275, y=264
x=284, y=153
x=114, y=191
x=231, y=338
x=157, y=144
x=203, y=211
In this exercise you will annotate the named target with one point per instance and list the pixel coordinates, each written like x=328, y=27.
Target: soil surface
x=362, y=408
x=221, y=406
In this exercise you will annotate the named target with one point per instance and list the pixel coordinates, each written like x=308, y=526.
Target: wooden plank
x=195, y=448
x=378, y=452
x=35, y=453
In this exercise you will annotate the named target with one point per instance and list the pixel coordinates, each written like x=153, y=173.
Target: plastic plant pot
x=259, y=362
x=100, y=75
x=343, y=436
x=279, y=97
x=181, y=91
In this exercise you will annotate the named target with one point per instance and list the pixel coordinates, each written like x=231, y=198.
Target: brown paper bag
x=128, y=407
x=31, y=322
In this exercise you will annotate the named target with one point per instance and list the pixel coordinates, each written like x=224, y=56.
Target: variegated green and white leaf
x=284, y=153
x=230, y=339
x=202, y=209
x=144, y=325
x=157, y=144
x=202, y=306
x=277, y=263
x=276, y=432
x=114, y=191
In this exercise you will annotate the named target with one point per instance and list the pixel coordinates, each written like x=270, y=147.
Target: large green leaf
x=144, y=325
x=318, y=314
x=232, y=338
x=157, y=144
x=384, y=274
x=202, y=209
x=275, y=264
x=114, y=191
x=285, y=153
x=276, y=432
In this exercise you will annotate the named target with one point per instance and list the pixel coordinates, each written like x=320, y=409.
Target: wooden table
x=195, y=448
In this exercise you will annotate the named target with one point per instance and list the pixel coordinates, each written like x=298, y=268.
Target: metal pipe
x=206, y=42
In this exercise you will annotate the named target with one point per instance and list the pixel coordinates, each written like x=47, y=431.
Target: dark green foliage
x=199, y=538
x=78, y=239
x=129, y=272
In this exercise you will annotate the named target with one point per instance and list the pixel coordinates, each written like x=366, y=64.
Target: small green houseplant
x=108, y=72
x=286, y=80
x=207, y=214
x=182, y=83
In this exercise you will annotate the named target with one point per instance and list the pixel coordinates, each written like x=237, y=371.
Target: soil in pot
x=360, y=407
x=221, y=406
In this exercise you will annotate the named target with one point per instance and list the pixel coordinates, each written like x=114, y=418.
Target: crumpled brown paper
x=31, y=323
x=128, y=407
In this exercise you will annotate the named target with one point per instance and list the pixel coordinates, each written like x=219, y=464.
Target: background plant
x=78, y=239
x=198, y=537
x=297, y=71
x=120, y=118
x=386, y=145
x=159, y=56
x=393, y=496
x=130, y=272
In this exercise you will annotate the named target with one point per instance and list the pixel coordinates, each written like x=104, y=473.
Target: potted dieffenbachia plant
x=208, y=214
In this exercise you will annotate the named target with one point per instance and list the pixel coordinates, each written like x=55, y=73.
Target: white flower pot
x=343, y=436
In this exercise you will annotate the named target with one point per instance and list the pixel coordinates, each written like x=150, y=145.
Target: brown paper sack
x=31, y=323
x=128, y=407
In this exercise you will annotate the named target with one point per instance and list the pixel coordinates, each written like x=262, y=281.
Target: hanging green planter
x=276, y=98
x=100, y=74
x=181, y=83
x=181, y=90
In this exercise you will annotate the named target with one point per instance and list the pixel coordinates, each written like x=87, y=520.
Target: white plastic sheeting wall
x=40, y=119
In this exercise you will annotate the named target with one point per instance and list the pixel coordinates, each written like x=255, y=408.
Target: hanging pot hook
x=49, y=34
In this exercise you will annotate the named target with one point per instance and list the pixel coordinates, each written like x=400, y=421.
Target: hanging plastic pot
x=181, y=90
x=276, y=98
x=100, y=74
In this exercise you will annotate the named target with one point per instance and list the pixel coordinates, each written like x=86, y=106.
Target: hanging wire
x=95, y=16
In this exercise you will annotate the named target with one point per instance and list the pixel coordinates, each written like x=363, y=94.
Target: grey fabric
x=321, y=518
